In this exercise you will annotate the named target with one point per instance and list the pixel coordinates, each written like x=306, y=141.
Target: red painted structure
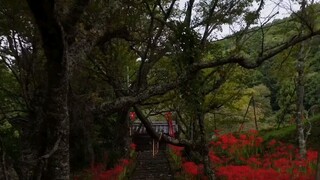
x=143, y=140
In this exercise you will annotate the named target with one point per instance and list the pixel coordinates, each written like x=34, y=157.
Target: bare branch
x=53, y=150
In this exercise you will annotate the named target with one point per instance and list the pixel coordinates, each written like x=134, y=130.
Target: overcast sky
x=276, y=8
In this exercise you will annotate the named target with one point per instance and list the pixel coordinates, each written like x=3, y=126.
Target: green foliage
x=9, y=139
x=279, y=134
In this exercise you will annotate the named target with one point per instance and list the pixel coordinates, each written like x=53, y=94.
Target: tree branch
x=165, y=138
x=111, y=107
x=73, y=17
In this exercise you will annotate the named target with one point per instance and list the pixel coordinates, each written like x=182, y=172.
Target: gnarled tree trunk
x=54, y=162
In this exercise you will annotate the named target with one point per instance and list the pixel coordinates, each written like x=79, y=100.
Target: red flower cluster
x=98, y=171
x=190, y=168
x=244, y=158
x=215, y=159
x=248, y=173
x=243, y=145
x=177, y=150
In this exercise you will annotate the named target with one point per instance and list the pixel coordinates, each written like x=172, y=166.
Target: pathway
x=152, y=168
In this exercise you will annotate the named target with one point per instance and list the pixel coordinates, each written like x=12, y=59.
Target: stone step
x=152, y=168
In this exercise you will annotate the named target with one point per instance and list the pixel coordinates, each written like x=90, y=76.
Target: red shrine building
x=144, y=141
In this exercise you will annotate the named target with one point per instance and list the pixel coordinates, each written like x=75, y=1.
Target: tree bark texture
x=300, y=107
x=123, y=135
x=204, y=146
x=54, y=162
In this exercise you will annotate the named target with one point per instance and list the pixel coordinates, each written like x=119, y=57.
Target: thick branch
x=250, y=64
x=155, y=135
x=73, y=17
x=112, y=107
x=187, y=20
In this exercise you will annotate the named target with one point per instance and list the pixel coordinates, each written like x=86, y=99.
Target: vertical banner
x=168, y=116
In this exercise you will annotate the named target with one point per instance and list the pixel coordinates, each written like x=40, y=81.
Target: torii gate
x=159, y=127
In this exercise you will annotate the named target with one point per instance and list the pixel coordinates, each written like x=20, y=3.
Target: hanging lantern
x=132, y=116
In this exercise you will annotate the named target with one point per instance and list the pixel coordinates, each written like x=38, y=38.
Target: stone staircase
x=152, y=168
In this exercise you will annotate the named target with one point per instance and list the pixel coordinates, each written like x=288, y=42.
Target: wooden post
x=152, y=147
x=254, y=112
x=244, y=117
x=157, y=147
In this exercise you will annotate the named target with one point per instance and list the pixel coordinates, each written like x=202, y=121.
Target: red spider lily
x=177, y=150
x=96, y=169
x=243, y=136
x=247, y=173
x=118, y=169
x=272, y=143
x=190, y=168
x=227, y=141
x=106, y=175
x=282, y=163
x=235, y=172
x=215, y=159
x=312, y=155
x=253, y=161
x=258, y=141
x=133, y=146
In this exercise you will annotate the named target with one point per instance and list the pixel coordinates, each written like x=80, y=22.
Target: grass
x=280, y=134
x=288, y=133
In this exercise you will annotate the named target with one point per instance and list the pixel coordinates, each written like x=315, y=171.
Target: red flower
x=258, y=141
x=281, y=164
x=118, y=169
x=133, y=146
x=312, y=155
x=254, y=161
x=176, y=149
x=190, y=168
x=215, y=159
x=243, y=136
x=272, y=142
x=107, y=175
